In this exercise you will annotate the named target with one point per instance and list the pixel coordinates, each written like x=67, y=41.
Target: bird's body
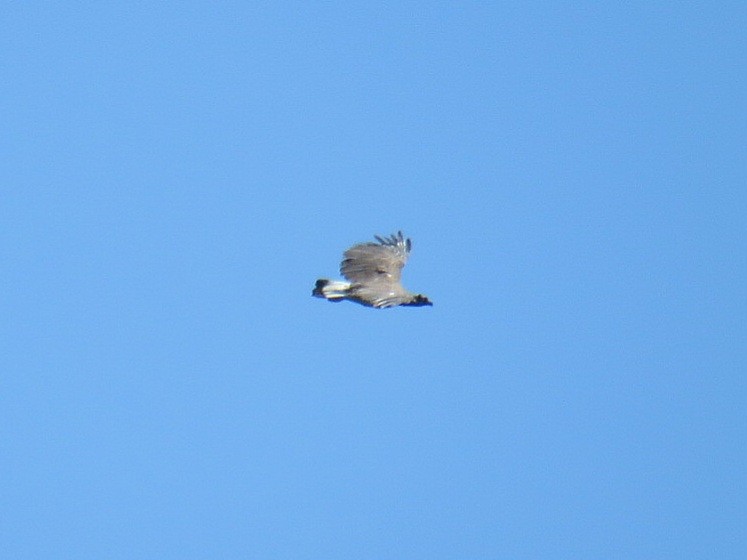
x=374, y=271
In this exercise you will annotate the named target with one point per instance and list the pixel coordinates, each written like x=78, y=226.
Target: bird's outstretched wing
x=376, y=263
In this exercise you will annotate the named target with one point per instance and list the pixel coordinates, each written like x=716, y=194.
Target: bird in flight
x=373, y=271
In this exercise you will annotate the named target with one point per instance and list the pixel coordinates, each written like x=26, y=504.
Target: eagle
x=373, y=271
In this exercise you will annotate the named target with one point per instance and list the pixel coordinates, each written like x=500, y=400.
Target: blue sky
x=176, y=176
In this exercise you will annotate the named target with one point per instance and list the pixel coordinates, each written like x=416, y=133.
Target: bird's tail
x=333, y=290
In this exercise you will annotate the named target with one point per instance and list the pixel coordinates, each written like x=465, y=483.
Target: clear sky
x=175, y=176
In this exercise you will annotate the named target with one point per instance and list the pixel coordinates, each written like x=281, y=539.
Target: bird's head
x=419, y=300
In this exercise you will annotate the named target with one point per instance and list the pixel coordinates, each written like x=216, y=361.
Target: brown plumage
x=374, y=271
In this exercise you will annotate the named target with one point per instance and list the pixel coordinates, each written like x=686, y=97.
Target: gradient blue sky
x=174, y=178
